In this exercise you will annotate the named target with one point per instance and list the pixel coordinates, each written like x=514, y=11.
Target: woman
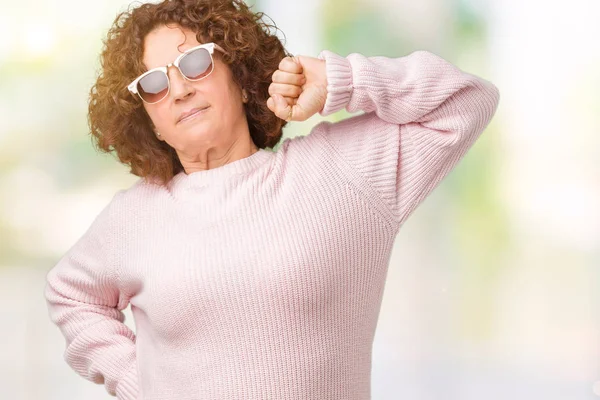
x=251, y=274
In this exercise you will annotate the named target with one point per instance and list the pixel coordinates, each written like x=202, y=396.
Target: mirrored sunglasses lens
x=153, y=87
x=197, y=64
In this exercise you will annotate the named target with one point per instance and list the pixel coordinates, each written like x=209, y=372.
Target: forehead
x=163, y=44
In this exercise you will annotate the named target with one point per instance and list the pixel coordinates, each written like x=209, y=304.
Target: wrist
x=338, y=82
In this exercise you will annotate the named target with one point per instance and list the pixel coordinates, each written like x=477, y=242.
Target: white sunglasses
x=194, y=64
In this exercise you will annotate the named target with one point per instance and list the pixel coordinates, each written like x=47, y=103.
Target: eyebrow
x=146, y=69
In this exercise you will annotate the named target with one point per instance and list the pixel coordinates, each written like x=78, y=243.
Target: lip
x=190, y=114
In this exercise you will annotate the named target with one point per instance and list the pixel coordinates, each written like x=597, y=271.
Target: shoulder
x=327, y=133
x=139, y=196
x=142, y=188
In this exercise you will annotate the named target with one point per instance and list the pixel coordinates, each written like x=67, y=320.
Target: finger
x=290, y=64
x=284, y=90
x=291, y=100
x=271, y=104
x=279, y=106
x=280, y=76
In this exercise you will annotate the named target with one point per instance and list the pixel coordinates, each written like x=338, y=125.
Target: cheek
x=159, y=117
x=225, y=93
x=223, y=101
x=232, y=101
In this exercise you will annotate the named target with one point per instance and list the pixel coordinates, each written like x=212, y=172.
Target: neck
x=239, y=146
x=217, y=157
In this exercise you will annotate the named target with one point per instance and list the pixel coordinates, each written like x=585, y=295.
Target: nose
x=181, y=88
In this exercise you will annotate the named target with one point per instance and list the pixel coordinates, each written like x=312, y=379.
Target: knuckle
x=288, y=64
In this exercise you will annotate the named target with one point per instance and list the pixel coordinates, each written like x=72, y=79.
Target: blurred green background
x=493, y=286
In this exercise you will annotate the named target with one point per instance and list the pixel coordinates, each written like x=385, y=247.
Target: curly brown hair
x=118, y=120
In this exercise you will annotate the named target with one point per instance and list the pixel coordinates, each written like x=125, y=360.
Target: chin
x=201, y=125
x=198, y=135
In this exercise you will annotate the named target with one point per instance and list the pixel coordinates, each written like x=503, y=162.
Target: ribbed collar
x=183, y=181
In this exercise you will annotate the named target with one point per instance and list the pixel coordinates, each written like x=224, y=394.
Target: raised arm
x=422, y=115
x=85, y=303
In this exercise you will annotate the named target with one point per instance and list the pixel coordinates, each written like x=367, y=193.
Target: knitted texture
x=263, y=278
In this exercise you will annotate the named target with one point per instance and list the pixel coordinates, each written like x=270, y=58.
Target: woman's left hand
x=299, y=88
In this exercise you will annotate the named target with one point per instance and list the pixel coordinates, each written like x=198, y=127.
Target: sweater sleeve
x=84, y=301
x=422, y=114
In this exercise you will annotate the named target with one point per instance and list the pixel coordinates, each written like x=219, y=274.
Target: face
x=222, y=121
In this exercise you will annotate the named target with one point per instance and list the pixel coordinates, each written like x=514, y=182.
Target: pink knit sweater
x=263, y=278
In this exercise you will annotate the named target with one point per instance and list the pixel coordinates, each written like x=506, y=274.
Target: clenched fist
x=299, y=88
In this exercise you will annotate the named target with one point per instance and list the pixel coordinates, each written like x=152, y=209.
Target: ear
x=154, y=131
